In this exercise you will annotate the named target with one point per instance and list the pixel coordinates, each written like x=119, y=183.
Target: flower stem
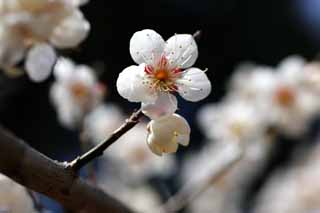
x=98, y=150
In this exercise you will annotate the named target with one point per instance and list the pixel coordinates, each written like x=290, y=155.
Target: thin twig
x=98, y=150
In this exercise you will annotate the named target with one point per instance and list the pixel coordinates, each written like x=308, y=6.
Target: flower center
x=284, y=96
x=79, y=91
x=161, y=75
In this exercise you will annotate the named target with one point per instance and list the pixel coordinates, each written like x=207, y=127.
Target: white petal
x=86, y=75
x=146, y=46
x=166, y=104
x=154, y=147
x=78, y=3
x=130, y=85
x=182, y=50
x=63, y=69
x=194, y=85
x=40, y=61
x=167, y=132
x=71, y=31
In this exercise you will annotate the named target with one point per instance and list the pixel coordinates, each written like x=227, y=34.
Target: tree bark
x=35, y=171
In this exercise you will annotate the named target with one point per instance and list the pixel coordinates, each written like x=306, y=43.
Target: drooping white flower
x=160, y=72
x=25, y=24
x=13, y=197
x=75, y=92
x=166, y=133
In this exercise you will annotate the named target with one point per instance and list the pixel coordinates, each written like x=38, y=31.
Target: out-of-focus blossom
x=160, y=73
x=291, y=104
x=232, y=120
x=136, y=160
x=102, y=121
x=26, y=24
x=226, y=193
x=14, y=198
x=288, y=95
x=294, y=189
x=75, y=92
x=140, y=197
x=166, y=133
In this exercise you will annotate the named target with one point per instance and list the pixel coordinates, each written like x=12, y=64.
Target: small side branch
x=98, y=150
x=35, y=171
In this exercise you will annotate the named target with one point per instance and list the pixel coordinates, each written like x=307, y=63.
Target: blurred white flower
x=295, y=189
x=140, y=197
x=225, y=194
x=13, y=197
x=102, y=121
x=135, y=159
x=24, y=24
x=232, y=120
x=75, y=92
x=286, y=95
x=312, y=77
x=291, y=105
x=160, y=72
x=166, y=133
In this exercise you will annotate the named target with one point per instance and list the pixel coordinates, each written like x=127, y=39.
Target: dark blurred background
x=233, y=31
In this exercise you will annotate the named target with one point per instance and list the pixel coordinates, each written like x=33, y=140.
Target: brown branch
x=98, y=150
x=35, y=171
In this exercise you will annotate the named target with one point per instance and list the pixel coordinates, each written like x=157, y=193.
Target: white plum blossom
x=166, y=133
x=160, y=72
x=14, y=198
x=37, y=26
x=75, y=92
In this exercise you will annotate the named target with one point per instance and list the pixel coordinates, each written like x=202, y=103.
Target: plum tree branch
x=35, y=171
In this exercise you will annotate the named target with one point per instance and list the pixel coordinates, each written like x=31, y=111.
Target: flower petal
x=181, y=50
x=194, y=85
x=131, y=85
x=146, y=46
x=40, y=61
x=63, y=69
x=166, y=104
x=167, y=132
x=71, y=31
x=78, y=3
